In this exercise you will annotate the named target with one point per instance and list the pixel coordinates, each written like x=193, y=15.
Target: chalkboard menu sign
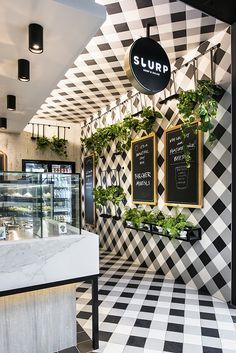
x=89, y=184
x=143, y=152
x=183, y=186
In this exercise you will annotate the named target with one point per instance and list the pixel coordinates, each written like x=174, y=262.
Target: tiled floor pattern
x=141, y=312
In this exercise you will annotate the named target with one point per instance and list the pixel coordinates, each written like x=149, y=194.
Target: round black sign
x=147, y=66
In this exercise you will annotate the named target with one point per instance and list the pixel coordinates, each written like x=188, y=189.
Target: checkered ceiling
x=97, y=77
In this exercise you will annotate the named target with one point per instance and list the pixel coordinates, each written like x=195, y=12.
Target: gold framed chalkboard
x=89, y=184
x=183, y=186
x=144, y=170
x=3, y=161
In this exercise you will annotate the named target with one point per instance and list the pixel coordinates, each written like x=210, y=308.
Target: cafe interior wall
x=206, y=264
x=21, y=146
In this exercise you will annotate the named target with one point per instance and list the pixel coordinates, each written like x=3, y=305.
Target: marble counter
x=35, y=262
x=43, y=320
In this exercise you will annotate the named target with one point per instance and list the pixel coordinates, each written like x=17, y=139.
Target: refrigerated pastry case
x=28, y=207
x=23, y=204
x=63, y=198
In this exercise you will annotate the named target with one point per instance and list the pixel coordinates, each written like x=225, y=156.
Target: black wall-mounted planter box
x=105, y=215
x=191, y=235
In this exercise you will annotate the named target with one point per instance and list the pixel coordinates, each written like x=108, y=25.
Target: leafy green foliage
x=55, y=144
x=120, y=132
x=113, y=194
x=59, y=146
x=137, y=216
x=171, y=225
x=42, y=143
x=200, y=105
x=174, y=225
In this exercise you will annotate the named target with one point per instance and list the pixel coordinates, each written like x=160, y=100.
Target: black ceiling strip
x=223, y=11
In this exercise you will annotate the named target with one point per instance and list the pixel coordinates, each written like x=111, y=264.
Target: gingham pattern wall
x=97, y=77
x=206, y=264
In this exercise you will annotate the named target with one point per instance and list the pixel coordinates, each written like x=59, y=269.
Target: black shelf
x=62, y=212
x=192, y=235
x=58, y=199
x=23, y=199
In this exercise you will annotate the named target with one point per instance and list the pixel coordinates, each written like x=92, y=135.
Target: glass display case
x=63, y=206
x=30, y=203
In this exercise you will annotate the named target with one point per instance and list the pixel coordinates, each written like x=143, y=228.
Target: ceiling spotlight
x=11, y=102
x=35, y=38
x=23, y=70
x=3, y=123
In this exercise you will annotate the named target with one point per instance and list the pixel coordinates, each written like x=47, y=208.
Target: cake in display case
x=29, y=202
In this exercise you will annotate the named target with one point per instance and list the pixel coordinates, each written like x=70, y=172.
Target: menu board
x=89, y=184
x=143, y=153
x=183, y=186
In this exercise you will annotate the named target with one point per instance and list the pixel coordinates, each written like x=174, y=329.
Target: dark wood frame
x=200, y=172
x=154, y=202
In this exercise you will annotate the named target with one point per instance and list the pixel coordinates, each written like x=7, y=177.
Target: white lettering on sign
x=143, y=63
x=143, y=175
x=141, y=179
x=150, y=64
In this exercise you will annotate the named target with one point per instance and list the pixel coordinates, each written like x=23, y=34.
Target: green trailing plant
x=100, y=197
x=198, y=105
x=113, y=194
x=151, y=114
x=59, y=146
x=43, y=143
x=120, y=132
x=55, y=144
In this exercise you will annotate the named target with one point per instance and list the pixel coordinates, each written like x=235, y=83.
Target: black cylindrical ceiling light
x=23, y=70
x=35, y=38
x=11, y=102
x=3, y=123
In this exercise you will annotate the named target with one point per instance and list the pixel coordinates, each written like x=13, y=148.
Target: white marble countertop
x=26, y=263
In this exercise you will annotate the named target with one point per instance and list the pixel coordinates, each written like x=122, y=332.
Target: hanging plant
x=43, y=143
x=120, y=132
x=150, y=114
x=113, y=194
x=59, y=146
x=201, y=105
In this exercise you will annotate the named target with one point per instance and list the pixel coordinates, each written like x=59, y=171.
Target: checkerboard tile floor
x=141, y=312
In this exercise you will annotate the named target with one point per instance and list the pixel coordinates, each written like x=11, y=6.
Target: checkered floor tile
x=141, y=312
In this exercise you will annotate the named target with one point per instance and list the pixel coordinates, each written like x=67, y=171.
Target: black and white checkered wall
x=206, y=264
